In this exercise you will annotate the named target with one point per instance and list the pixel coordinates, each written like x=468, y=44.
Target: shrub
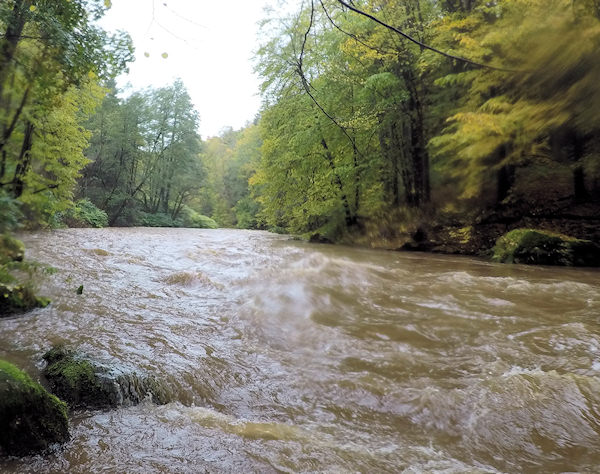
x=159, y=220
x=195, y=220
x=85, y=214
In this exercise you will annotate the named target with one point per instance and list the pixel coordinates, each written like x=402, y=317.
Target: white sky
x=209, y=45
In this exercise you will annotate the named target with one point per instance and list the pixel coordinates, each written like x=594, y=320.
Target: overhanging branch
x=420, y=43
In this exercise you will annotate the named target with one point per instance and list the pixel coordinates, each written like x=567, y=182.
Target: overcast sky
x=209, y=44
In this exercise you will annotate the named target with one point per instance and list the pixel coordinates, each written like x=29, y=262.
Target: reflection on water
x=289, y=357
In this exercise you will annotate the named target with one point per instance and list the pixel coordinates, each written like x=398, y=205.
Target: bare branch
x=351, y=35
x=307, y=86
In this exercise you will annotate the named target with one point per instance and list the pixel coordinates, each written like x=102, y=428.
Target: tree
x=117, y=171
x=144, y=155
x=51, y=58
x=174, y=147
x=544, y=109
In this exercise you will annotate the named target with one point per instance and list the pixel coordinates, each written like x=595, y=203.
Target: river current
x=283, y=356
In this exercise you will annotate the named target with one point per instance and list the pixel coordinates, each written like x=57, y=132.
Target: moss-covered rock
x=85, y=383
x=11, y=249
x=538, y=247
x=30, y=418
x=18, y=298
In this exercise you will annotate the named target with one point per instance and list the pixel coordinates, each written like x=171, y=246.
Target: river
x=283, y=356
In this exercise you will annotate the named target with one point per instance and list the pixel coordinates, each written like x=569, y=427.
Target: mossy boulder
x=15, y=296
x=539, y=247
x=11, y=249
x=31, y=419
x=85, y=383
x=18, y=298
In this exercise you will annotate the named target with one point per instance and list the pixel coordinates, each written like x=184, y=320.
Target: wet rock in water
x=539, y=247
x=318, y=238
x=11, y=249
x=418, y=242
x=16, y=298
x=84, y=383
x=31, y=419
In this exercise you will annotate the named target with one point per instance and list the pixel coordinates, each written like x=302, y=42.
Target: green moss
x=11, y=249
x=30, y=418
x=87, y=384
x=73, y=379
x=540, y=247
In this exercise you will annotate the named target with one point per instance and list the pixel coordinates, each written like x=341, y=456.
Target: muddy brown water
x=288, y=357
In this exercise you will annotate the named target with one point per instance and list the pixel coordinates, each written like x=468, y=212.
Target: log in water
x=282, y=356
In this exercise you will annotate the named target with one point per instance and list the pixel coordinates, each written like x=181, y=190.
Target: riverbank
x=477, y=235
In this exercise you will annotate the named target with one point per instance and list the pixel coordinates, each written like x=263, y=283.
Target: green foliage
x=31, y=419
x=193, y=219
x=10, y=213
x=188, y=218
x=530, y=112
x=17, y=290
x=52, y=56
x=18, y=298
x=144, y=154
x=352, y=111
x=85, y=214
x=11, y=249
x=159, y=219
x=230, y=160
x=246, y=210
x=345, y=135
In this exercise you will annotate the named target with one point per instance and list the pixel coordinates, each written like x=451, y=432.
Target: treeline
x=149, y=167
x=145, y=167
x=378, y=116
x=230, y=160
x=53, y=59
x=387, y=114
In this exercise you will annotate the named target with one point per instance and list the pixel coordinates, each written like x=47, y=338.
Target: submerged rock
x=85, y=383
x=31, y=419
x=318, y=238
x=539, y=247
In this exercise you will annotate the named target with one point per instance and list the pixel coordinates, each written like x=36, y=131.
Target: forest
x=421, y=123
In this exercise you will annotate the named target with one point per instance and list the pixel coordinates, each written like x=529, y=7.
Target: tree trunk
x=579, y=189
x=350, y=218
x=23, y=162
x=419, y=157
x=12, y=36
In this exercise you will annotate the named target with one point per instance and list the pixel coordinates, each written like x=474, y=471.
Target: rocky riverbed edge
x=35, y=416
x=534, y=240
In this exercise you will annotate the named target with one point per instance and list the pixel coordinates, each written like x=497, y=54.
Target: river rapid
x=283, y=356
